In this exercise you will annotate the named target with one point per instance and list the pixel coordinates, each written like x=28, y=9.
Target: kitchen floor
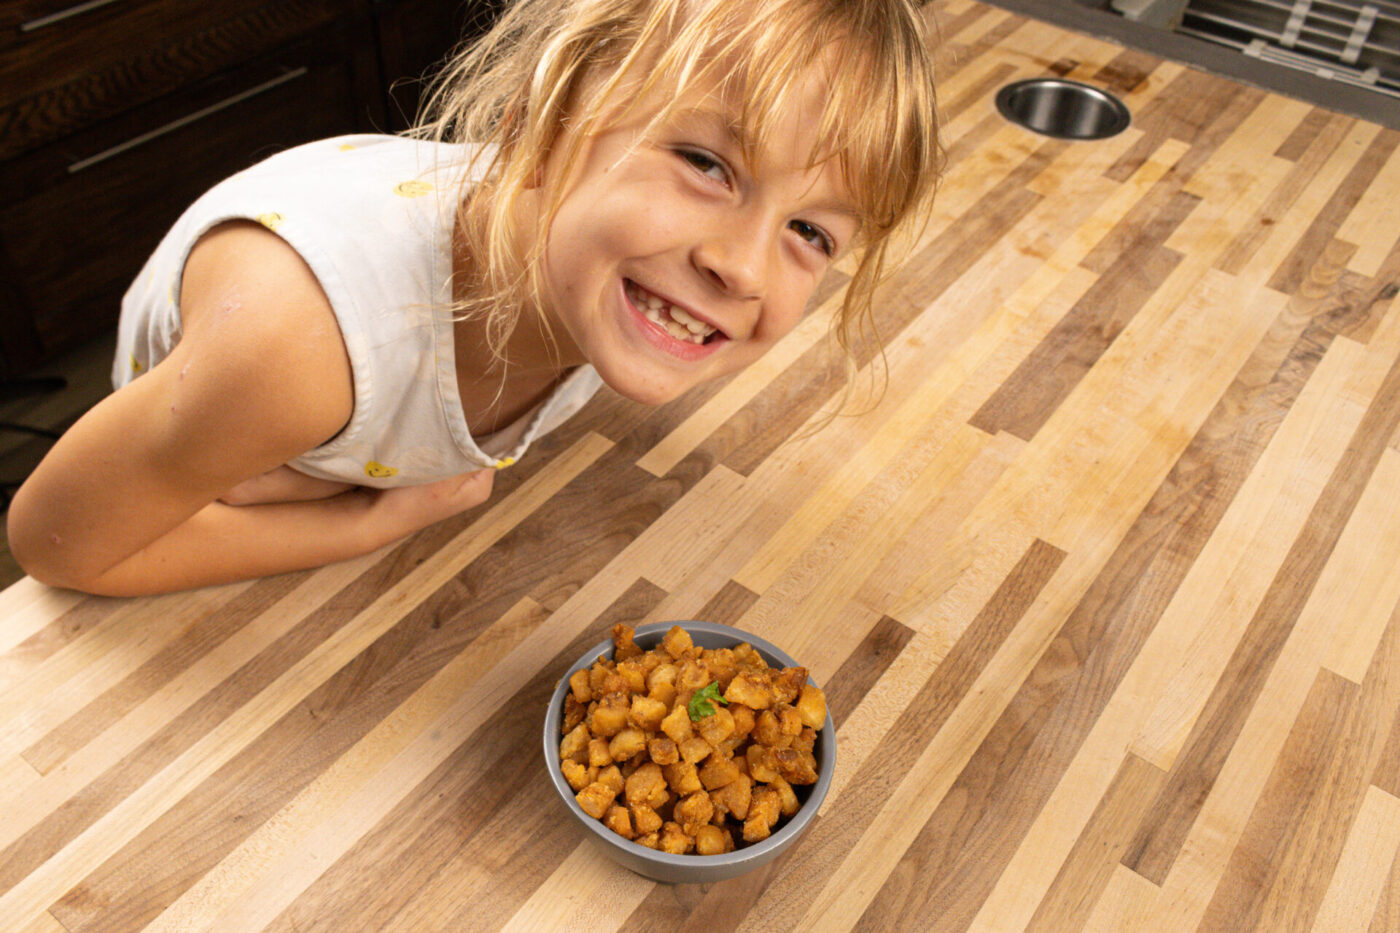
x=87, y=371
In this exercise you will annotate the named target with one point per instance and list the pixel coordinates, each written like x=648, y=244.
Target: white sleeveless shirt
x=372, y=216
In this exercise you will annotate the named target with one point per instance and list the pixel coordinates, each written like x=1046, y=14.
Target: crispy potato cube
x=663, y=673
x=675, y=840
x=598, y=755
x=751, y=689
x=647, y=713
x=627, y=743
x=788, y=803
x=762, y=766
x=611, y=776
x=789, y=721
x=597, y=676
x=795, y=767
x=650, y=840
x=663, y=750
x=578, y=685
x=633, y=763
x=623, y=645
x=574, y=713
x=619, y=821
x=643, y=784
x=806, y=740
x=787, y=683
x=718, y=772
x=694, y=675
x=811, y=706
x=576, y=774
x=610, y=715
x=664, y=693
x=694, y=749
x=693, y=811
x=756, y=829
x=574, y=746
x=722, y=665
x=727, y=748
x=682, y=778
x=766, y=804
x=676, y=641
x=734, y=797
x=595, y=799
x=645, y=819
x=767, y=730
x=710, y=840
x=747, y=656
x=677, y=724
x=631, y=673
x=717, y=727
x=743, y=720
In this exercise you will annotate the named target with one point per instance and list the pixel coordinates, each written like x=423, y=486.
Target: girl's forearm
x=222, y=544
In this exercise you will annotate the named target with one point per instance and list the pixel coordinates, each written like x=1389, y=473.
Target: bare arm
x=125, y=501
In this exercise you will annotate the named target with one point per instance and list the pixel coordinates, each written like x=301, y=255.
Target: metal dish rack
x=1351, y=41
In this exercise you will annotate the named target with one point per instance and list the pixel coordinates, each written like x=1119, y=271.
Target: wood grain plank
x=894, y=764
x=1084, y=875
x=1375, y=213
x=1286, y=231
x=88, y=665
x=137, y=811
x=1305, y=858
x=1365, y=589
x=90, y=780
x=1387, y=915
x=1168, y=548
x=1306, y=130
x=487, y=879
x=1370, y=853
x=1128, y=904
x=438, y=817
x=188, y=648
x=1195, y=770
x=28, y=608
x=1185, y=110
x=1300, y=771
x=1325, y=224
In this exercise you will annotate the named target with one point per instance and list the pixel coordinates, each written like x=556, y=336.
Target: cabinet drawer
x=61, y=68
x=78, y=219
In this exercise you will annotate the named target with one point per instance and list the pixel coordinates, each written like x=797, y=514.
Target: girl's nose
x=735, y=259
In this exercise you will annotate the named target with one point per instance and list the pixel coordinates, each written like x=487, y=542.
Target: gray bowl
x=690, y=869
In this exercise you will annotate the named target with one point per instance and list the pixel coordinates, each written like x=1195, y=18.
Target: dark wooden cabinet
x=116, y=114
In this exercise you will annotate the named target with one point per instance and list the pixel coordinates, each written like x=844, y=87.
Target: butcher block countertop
x=1103, y=592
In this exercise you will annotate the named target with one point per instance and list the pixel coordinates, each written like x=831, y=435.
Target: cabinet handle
x=76, y=9
x=186, y=120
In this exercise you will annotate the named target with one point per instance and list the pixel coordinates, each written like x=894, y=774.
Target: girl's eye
x=815, y=235
x=705, y=164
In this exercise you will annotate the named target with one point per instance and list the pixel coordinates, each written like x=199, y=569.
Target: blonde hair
x=548, y=63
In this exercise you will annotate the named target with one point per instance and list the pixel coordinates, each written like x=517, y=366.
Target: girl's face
x=673, y=260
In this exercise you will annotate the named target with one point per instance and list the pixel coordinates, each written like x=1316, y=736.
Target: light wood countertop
x=1103, y=593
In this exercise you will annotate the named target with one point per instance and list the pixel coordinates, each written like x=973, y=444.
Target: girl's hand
x=394, y=513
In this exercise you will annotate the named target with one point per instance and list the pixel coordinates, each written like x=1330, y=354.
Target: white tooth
x=688, y=320
x=656, y=304
x=677, y=330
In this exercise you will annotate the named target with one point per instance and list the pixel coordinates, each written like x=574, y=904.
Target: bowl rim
x=756, y=852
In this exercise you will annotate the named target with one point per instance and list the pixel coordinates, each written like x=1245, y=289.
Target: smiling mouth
x=674, y=320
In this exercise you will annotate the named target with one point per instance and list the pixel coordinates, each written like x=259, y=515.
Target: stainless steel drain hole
x=1063, y=109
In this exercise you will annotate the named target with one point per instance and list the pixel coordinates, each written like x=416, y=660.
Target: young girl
x=338, y=346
